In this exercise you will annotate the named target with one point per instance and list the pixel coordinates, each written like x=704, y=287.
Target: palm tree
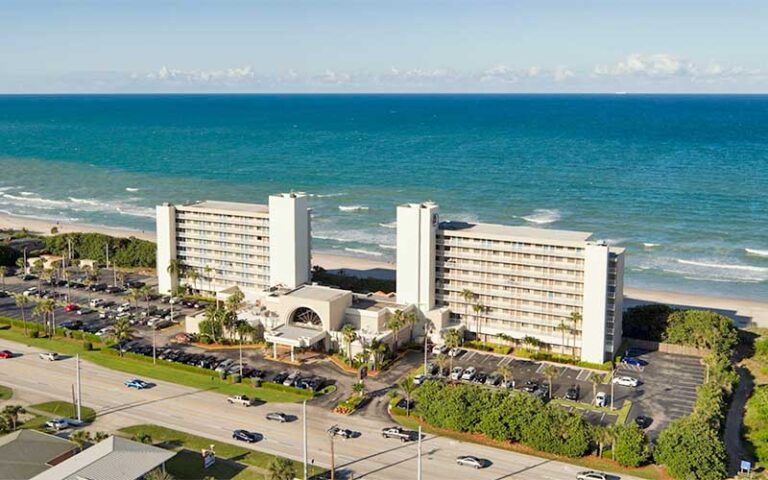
x=441, y=360
x=193, y=276
x=37, y=265
x=158, y=474
x=213, y=315
x=408, y=387
x=395, y=322
x=505, y=372
x=234, y=305
x=208, y=271
x=349, y=335
x=596, y=380
x=576, y=320
x=44, y=309
x=359, y=388
x=134, y=295
x=410, y=319
x=281, y=469
x=243, y=328
x=174, y=269
x=478, y=309
x=122, y=331
x=21, y=264
x=145, y=293
x=562, y=327
x=144, y=438
x=100, y=436
x=378, y=349
x=80, y=437
x=452, y=340
x=550, y=371
x=21, y=302
x=468, y=296
x=12, y=412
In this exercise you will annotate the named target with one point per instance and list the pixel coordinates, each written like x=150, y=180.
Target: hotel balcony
x=442, y=239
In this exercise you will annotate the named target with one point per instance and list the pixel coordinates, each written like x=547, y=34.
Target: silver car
x=470, y=461
x=456, y=373
x=591, y=475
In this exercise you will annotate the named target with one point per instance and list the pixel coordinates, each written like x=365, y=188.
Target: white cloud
x=229, y=74
x=664, y=65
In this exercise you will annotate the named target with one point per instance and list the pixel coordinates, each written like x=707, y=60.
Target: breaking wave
x=388, y=225
x=363, y=252
x=543, y=216
x=756, y=252
x=353, y=208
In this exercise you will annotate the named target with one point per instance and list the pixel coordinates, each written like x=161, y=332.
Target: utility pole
x=106, y=249
x=418, y=458
x=154, y=347
x=79, y=401
x=426, y=337
x=613, y=375
x=304, y=413
x=26, y=268
x=333, y=459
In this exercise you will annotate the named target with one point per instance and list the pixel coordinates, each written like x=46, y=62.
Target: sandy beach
x=742, y=311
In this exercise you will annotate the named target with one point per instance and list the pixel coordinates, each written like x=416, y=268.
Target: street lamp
x=332, y=435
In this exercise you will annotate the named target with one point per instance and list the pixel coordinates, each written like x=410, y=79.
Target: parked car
x=634, y=362
x=6, y=354
x=31, y=291
x=508, y=384
x=438, y=349
x=245, y=436
x=431, y=369
x=50, y=356
x=280, y=377
x=291, y=379
x=134, y=284
x=469, y=373
x=57, y=424
x=136, y=383
x=542, y=391
x=493, y=379
x=455, y=352
x=470, y=461
x=591, y=475
x=126, y=307
x=105, y=331
x=456, y=373
x=277, y=417
x=73, y=325
x=601, y=399
x=573, y=393
x=643, y=421
x=480, y=378
x=626, y=381
x=113, y=289
x=419, y=379
x=84, y=311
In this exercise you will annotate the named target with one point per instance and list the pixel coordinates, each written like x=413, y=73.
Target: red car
x=71, y=307
x=6, y=354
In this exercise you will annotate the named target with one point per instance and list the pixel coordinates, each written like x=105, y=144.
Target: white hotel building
x=529, y=281
x=251, y=246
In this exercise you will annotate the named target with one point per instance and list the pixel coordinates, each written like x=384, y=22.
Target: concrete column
x=292, y=357
x=274, y=350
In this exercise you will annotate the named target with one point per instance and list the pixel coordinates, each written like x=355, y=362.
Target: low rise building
x=27, y=453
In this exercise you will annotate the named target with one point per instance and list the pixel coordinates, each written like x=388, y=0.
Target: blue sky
x=384, y=46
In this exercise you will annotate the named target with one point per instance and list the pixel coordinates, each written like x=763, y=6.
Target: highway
x=208, y=414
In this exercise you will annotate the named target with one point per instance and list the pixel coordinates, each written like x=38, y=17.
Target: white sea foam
x=5, y=189
x=614, y=241
x=326, y=195
x=49, y=218
x=756, y=252
x=650, y=245
x=388, y=225
x=34, y=200
x=353, y=208
x=131, y=189
x=387, y=247
x=27, y=194
x=542, y=216
x=726, y=266
x=356, y=236
x=85, y=201
x=363, y=252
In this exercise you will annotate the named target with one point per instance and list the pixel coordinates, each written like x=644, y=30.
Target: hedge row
x=284, y=388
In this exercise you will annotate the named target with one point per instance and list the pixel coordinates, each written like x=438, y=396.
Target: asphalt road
x=208, y=414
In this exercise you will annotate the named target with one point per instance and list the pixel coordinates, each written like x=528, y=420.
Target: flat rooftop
x=508, y=232
x=228, y=206
x=317, y=292
x=374, y=303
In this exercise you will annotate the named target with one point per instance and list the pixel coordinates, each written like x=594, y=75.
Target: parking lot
x=667, y=388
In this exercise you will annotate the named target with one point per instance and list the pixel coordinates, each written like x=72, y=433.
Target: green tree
x=22, y=301
x=575, y=321
x=441, y=361
x=378, y=349
x=234, y=305
x=12, y=412
x=468, y=296
x=122, y=331
x=144, y=438
x=407, y=387
x=702, y=329
x=280, y=468
x=631, y=445
x=452, y=340
x=690, y=448
x=158, y=474
x=550, y=371
x=134, y=294
x=359, y=388
x=554, y=430
x=100, y=436
x=193, y=276
x=596, y=380
x=349, y=334
x=410, y=319
x=81, y=438
x=395, y=322
x=506, y=372
x=44, y=309
x=562, y=328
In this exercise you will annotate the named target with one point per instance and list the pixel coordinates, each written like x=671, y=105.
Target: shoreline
x=741, y=310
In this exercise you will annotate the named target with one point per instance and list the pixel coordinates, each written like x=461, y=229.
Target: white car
x=105, y=331
x=456, y=373
x=438, y=349
x=126, y=307
x=626, y=381
x=469, y=461
x=30, y=291
x=601, y=399
x=57, y=424
x=419, y=379
x=455, y=352
x=50, y=356
x=469, y=373
x=96, y=302
x=590, y=475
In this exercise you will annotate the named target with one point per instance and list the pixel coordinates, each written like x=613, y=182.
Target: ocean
x=680, y=181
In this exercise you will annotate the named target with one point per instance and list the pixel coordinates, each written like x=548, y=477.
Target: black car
x=573, y=393
x=245, y=436
x=113, y=289
x=258, y=373
x=643, y=421
x=280, y=377
x=134, y=284
x=480, y=378
x=98, y=287
x=73, y=325
x=530, y=386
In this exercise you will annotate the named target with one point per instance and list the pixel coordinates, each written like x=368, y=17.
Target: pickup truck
x=241, y=400
x=397, y=432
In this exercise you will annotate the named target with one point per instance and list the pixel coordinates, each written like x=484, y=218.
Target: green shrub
x=646, y=322
x=285, y=388
x=125, y=252
x=690, y=448
x=702, y=329
x=87, y=346
x=34, y=334
x=223, y=375
x=631, y=445
x=348, y=282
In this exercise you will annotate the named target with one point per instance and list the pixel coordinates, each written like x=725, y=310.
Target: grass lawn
x=64, y=409
x=5, y=392
x=204, y=380
x=173, y=439
x=650, y=472
x=189, y=465
x=35, y=423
